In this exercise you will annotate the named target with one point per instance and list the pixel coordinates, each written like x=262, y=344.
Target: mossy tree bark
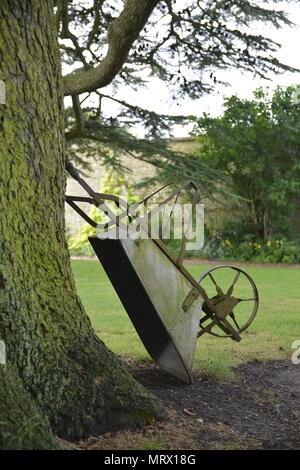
x=59, y=379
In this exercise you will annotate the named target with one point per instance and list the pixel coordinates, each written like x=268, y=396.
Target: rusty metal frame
x=113, y=257
x=99, y=198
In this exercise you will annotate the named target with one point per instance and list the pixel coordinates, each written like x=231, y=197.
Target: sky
x=156, y=95
x=242, y=85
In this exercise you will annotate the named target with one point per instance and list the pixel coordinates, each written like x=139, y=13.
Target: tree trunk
x=267, y=224
x=59, y=378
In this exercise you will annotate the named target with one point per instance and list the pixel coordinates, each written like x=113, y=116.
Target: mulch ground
x=259, y=408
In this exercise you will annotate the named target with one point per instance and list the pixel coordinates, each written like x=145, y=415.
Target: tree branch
x=78, y=114
x=66, y=33
x=122, y=32
x=96, y=24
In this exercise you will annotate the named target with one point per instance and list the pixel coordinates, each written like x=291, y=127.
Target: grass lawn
x=270, y=336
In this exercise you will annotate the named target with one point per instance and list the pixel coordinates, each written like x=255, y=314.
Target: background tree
x=60, y=379
x=184, y=44
x=257, y=144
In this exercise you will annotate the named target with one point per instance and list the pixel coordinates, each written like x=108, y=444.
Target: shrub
x=275, y=250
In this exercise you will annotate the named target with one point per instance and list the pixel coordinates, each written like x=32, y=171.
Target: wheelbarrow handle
x=70, y=200
x=98, y=199
x=101, y=197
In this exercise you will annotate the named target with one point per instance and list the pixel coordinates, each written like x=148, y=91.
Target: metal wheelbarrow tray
x=168, y=333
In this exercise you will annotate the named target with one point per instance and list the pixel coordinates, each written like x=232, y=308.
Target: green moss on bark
x=62, y=371
x=22, y=424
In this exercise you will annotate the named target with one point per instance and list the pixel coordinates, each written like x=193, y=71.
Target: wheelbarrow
x=168, y=307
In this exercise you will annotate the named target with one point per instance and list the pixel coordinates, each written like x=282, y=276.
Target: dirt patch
x=258, y=409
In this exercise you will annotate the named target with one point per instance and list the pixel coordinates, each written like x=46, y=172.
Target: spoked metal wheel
x=232, y=309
